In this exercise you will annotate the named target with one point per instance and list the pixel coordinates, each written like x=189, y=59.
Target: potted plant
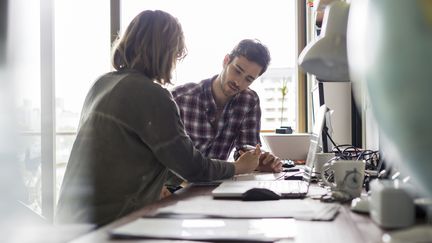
x=284, y=91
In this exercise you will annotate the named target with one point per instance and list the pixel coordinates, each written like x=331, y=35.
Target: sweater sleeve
x=158, y=124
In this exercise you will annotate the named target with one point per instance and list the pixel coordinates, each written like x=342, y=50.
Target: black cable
x=351, y=152
x=332, y=141
x=281, y=177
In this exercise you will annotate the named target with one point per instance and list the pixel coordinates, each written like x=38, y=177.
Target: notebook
x=285, y=188
x=288, y=146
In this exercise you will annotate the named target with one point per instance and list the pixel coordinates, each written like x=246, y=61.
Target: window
x=24, y=64
x=80, y=45
x=82, y=54
x=217, y=26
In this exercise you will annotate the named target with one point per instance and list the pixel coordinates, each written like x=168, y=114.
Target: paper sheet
x=306, y=209
x=258, y=230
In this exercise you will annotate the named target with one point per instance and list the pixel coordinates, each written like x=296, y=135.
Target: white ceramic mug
x=348, y=176
x=320, y=160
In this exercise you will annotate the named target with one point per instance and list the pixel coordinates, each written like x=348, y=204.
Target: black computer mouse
x=288, y=163
x=260, y=194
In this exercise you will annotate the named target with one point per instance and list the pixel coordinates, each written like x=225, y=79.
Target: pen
x=250, y=147
x=291, y=170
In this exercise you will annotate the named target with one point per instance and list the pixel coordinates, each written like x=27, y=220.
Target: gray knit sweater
x=130, y=137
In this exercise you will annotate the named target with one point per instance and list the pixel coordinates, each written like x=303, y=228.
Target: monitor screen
x=317, y=101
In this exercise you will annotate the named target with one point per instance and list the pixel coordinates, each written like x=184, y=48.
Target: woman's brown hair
x=151, y=44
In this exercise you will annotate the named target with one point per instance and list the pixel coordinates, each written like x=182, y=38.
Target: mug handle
x=327, y=166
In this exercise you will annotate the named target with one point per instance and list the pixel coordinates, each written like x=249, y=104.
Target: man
x=223, y=113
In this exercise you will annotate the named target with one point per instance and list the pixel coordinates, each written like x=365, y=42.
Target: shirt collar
x=207, y=88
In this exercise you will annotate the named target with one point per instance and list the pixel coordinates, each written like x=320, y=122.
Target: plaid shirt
x=239, y=123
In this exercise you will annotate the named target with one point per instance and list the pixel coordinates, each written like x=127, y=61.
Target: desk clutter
x=206, y=218
x=391, y=201
x=347, y=170
x=201, y=218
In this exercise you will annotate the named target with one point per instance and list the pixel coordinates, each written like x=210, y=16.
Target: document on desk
x=250, y=230
x=306, y=209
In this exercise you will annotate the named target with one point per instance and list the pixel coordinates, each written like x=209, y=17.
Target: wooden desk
x=347, y=227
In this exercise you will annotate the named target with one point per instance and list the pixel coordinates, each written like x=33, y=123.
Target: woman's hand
x=248, y=161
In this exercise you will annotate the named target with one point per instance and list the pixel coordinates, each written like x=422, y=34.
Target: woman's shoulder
x=186, y=89
x=135, y=83
x=190, y=89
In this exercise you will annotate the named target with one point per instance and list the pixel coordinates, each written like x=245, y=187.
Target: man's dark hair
x=254, y=51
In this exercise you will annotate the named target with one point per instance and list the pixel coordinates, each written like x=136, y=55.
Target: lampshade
x=326, y=57
x=320, y=5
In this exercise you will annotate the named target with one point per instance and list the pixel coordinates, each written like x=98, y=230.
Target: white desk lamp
x=319, y=8
x=326, y=57
x=320, y=5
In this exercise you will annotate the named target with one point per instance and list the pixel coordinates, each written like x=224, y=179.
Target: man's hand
x=248, y=161
x=269, y=163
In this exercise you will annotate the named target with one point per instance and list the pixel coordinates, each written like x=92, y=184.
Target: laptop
x=288, y=146
x=284, y=188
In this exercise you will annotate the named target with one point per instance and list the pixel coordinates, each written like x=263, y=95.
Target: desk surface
x=347, y=227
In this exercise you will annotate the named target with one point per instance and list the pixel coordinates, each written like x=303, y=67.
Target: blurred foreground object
x=390, y=49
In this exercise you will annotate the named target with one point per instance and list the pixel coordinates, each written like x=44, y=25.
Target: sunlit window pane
x=24, y=66
x=82, y=53
x=212, y=28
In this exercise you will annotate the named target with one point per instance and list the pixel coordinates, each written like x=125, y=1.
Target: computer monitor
x=317, y=102
x=343, y=123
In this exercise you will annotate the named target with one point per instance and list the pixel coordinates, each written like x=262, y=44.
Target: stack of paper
x=250, y=230
x=298, y=209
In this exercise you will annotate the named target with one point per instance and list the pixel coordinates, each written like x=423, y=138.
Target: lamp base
x=421, y=233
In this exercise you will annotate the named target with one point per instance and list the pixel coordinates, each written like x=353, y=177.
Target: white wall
x=337, y=96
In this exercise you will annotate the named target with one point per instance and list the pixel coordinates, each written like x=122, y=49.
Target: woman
x=130, y=136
